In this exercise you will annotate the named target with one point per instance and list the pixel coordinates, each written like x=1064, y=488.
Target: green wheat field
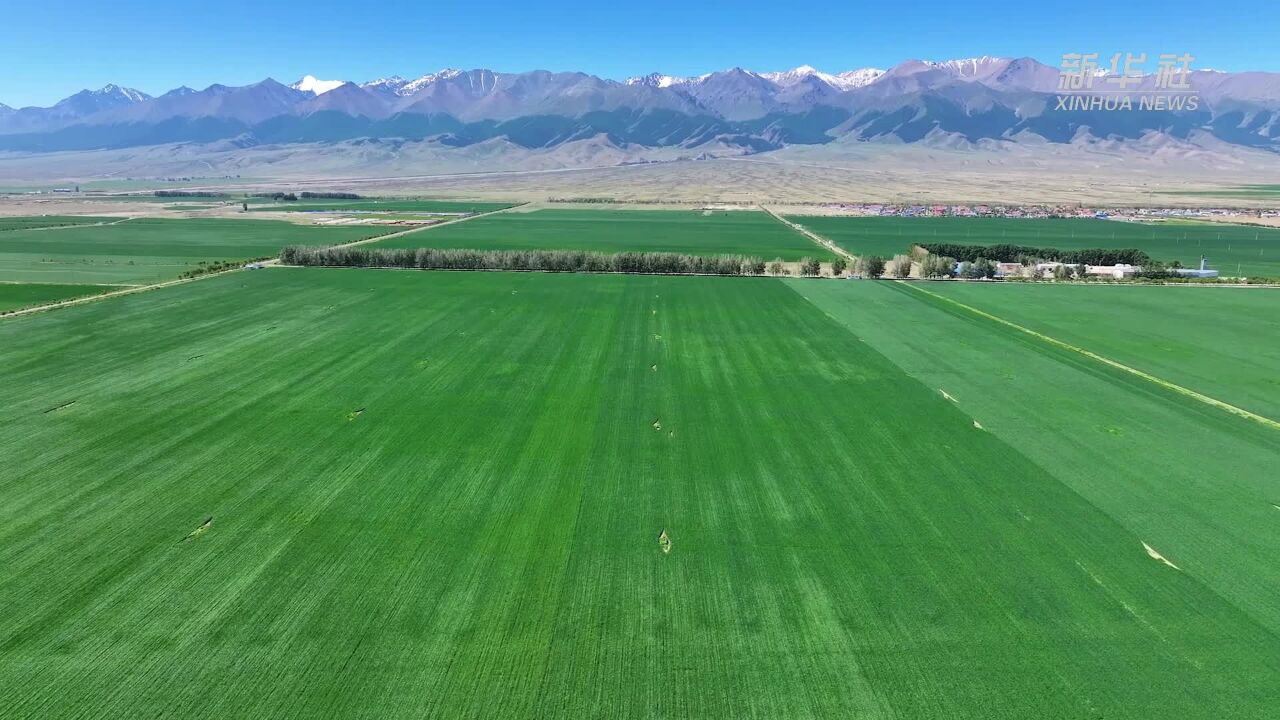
x=694, y=232
x=374, y=493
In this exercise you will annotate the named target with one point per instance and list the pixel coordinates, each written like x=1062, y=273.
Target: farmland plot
x=1224, y=342
x=690, y=232
x=14, y=296
x=148, y=250
x=1191, y=480
x=29, y=222
x=405, y=494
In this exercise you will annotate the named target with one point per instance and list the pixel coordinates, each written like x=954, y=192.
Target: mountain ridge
x=957, y=101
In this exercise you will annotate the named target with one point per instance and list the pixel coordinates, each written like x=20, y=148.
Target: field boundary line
x=178, y=281
x=71, y=227
x=410, y=231
x=811, y=235
x=1185, y=391
x=115, y=293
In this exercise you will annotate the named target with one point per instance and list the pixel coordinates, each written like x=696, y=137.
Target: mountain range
x=955, y=102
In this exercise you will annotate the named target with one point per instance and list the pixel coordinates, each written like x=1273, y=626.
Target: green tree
x=838, y=266
x=936, y=266
x=872, y=266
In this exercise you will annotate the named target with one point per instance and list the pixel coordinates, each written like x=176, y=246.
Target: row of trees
x=547, y=260
x=1025, y=254
x=189, y=194
x=287, y=197
x=979, y=269
x=308, y=195
x=869, y=266
x=205, y=268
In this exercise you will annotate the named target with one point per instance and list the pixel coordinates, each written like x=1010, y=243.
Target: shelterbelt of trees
x=653, y=263
x=1017, y=253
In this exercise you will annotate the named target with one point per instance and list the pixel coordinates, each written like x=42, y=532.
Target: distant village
x=1046, y=211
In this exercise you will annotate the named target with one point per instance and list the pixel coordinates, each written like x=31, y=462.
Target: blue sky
x=52, y=50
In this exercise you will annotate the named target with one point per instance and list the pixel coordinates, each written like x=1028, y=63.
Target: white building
x=1202, y=272
x=1121, y=270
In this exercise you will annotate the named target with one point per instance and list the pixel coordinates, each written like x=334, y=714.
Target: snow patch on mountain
x=395, y=82
x=315, y=86
x=658, y=80
x=115, y=91
x=791, y=77
x=851, y=79
x=847, y=80
x=968, y=67
x=415, y=86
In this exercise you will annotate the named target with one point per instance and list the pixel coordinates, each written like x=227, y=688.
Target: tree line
x=644, y=263
x=1024, y=254
x=189, y=194
x=308, y=195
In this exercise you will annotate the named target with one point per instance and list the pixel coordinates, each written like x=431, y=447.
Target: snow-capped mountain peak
x=851, y=79
x=847, y=80
x=657, y=80
x=315, y=86
x=395, y=81
x=414, y=86
x=967, y=67
x=125, y=93
x=791, y=77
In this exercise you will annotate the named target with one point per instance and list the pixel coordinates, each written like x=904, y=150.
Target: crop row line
x=1185, y=391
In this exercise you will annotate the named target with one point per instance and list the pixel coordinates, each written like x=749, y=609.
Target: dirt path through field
x=811, y=235
x=70, y=227
x=423, y=228
x=264, y=263
x=104, y=296
x=275, y=262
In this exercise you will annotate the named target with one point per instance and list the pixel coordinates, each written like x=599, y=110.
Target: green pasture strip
x=335, y=492
x=30, y=222
x=693, y=232
x=15, y=296
x=149, y=250
x=1222, y=342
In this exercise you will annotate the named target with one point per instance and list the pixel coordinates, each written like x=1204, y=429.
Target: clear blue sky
x=50, y=50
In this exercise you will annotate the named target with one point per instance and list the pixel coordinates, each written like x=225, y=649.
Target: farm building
x=1046, y=269
x=1202, y=272
x=1116, y=271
